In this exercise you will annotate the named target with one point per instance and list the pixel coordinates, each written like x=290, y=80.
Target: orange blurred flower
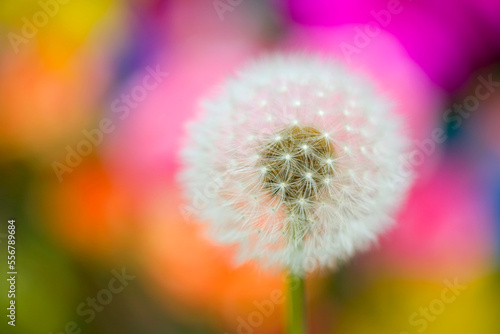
x=187, y=272
x=87, y=213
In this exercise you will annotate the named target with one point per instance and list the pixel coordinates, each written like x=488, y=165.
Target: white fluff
x=340, y=199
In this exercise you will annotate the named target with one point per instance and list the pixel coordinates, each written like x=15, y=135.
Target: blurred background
x=94, y=96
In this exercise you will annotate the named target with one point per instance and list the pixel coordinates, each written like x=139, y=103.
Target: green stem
x=296, y=320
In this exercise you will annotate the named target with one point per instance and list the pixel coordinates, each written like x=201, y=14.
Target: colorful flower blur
x=94, y=98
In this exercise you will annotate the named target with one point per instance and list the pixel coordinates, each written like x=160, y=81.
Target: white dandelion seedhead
x=296, y=161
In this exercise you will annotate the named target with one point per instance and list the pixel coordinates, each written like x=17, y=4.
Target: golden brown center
x=297, y=163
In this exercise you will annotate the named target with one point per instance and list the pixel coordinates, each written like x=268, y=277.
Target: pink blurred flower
x=204, y=51
x=445, y=228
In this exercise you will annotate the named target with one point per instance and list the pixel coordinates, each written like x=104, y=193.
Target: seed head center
x=298, y=165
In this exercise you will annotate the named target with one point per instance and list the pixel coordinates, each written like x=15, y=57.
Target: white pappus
x=303, y=158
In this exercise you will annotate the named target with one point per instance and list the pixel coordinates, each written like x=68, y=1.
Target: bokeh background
x=88, y=161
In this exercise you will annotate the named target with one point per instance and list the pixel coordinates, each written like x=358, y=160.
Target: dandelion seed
x=318, y=188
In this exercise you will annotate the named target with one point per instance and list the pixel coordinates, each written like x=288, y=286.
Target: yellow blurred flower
x=413, y=307
x=55, y=66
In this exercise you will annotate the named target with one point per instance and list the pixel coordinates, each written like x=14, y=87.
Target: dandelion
x=308, y=155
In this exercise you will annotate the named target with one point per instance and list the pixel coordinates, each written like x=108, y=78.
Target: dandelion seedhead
x=296, y=161
x=295, y=164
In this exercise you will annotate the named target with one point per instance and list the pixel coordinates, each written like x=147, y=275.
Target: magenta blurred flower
x=447, y=39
